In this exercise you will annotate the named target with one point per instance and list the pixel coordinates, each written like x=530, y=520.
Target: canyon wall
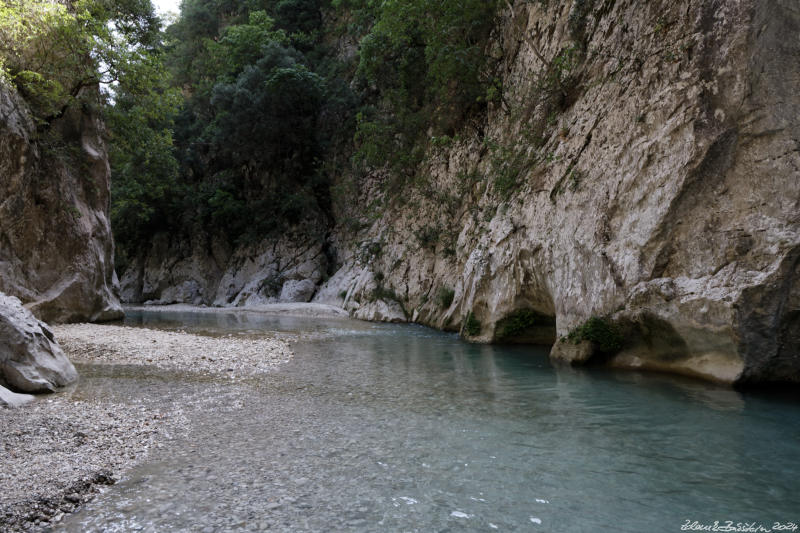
x=56, y=248
x=661, y=191
x=642, y=167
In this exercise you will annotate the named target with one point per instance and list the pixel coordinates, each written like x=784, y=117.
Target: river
x=374, y=427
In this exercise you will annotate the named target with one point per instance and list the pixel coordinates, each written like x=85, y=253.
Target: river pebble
x=58, y=453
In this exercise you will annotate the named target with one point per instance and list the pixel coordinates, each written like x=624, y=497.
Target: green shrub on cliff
x=599, y=331
x=445, y=297
x=517, y=322
x=472, y=326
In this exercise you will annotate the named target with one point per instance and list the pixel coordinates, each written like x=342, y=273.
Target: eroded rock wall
x=56, y=248
x=655, y=182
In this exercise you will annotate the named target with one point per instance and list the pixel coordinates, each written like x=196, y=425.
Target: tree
x=424, y=65
x=145, y=190
x=54, y=50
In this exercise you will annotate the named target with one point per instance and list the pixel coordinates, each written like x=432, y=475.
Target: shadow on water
x=376, y=427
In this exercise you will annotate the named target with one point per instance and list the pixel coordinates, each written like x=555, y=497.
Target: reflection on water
x=399, y=428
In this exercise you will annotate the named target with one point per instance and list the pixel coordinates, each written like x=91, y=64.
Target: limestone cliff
x=643, y=166
x=56, y=249
x=660, y=188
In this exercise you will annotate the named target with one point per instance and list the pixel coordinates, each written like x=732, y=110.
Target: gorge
x=641, y=167
x=279, y=202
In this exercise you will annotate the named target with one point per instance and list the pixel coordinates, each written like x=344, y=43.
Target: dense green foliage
x=144, y=171
x=599, y=331
x=238, y=118
x=424, y=70
x=248, y=137
x=55, y=51
x=269, y=114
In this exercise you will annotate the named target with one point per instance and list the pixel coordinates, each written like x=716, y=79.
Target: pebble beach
x=59, y=451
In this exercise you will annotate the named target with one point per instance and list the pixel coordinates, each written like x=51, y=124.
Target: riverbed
x=373, y=427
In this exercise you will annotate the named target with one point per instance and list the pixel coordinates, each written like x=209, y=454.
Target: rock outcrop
x=644, y=167
x=205, y=270
x=56, y=248
x=30, y=359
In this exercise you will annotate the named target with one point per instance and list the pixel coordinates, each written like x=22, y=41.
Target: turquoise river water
x=376, y=427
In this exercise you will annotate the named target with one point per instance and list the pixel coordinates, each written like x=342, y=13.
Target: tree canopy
x=239, y=117
x=53, y=50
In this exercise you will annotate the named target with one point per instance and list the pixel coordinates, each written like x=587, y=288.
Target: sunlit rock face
x=56, y=248
x=661, y=191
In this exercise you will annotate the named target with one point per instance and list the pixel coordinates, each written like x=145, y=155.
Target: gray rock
x=30, y=359
x=381, y=310
x=188, y=291
x=294, y=291
x=355, y=288
x=205, y=270
x=12, y=399
x=564, y=351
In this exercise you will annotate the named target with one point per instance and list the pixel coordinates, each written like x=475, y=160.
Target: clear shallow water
x=399, y=428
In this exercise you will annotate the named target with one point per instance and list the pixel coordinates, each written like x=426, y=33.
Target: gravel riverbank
x=103, y=344
x=59, y=451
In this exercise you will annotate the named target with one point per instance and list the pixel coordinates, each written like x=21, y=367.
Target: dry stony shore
x=60, y=450
x=101, y=344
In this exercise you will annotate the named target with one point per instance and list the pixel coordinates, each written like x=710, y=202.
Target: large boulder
x=30, y=358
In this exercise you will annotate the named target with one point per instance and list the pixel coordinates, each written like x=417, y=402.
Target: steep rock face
x=643, y=165
x=56, y=249
x=652, y=154
x=30, y=359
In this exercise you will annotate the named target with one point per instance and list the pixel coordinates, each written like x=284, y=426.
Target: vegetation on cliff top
x=422, y=69
x=56, y=52
x=100, y=57
x=272, y=110
x=239, y=118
